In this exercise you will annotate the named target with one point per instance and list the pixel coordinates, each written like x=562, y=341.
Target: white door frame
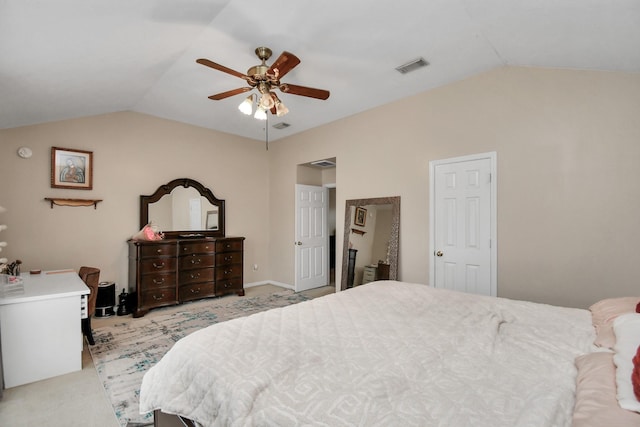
x=494, y=223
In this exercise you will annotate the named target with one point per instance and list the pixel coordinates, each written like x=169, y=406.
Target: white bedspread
x=383, y=354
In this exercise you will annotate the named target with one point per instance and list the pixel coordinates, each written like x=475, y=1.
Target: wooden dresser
x=172, y=271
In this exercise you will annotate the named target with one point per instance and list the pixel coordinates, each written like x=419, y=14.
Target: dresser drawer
x=226, y=258
x=228, y=272
x=158, y=297
x=157, y=280
x=228, y=286
x=197, y=248
x=196, y=290
x=196, y=276
x=228, y=245
x=157, y=265
x=156, y=250
x=189, y=262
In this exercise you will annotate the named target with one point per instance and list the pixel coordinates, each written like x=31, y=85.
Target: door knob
x=298, y=243
x=439, y=253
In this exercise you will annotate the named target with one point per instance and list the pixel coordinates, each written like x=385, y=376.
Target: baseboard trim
x=268, y=282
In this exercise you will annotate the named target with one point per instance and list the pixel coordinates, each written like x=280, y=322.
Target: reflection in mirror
x=183, y=207
x=212, y=220
x=371, y=240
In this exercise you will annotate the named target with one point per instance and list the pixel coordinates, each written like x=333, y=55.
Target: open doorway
x=315, y=232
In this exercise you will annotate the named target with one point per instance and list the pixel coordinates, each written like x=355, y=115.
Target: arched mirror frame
x=394, y=238
x=166, y=189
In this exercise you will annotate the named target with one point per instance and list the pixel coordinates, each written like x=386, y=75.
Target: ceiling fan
x=266, y=78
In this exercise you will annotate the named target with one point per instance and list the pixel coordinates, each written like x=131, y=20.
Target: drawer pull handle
x=228, y=258
x=228, y=272
x=158, y=281
x=158, y=298
x=161, y=265
x=159, y=251
x=195, y=291
x=195, y=261
x=195, y=275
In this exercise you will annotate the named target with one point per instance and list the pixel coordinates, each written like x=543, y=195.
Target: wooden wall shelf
x=73, y=202
x=358, y=231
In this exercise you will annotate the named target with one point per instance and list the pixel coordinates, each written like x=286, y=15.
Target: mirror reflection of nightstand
x=369, y=274
x=383, y=271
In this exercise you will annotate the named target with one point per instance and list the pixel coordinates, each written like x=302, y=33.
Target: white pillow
x=627, y=330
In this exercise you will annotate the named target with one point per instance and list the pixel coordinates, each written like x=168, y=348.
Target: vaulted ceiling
x=73, y=58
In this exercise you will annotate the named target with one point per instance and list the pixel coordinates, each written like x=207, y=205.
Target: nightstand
x=369, y=274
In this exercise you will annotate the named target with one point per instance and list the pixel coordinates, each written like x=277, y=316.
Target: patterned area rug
x=125, y=351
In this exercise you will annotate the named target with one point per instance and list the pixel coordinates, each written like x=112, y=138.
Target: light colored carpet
x=124, y=351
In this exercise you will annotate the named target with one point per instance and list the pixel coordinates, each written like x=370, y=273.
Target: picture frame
x=360, y=216
x=71, y=168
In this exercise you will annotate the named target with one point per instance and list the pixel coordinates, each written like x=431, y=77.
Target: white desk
x=40, y=328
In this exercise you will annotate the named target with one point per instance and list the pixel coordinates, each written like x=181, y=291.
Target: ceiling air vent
x=412, y=66
x=324, y=163
x=281, y=125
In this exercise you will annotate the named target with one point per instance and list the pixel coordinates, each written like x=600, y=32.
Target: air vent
x=281, y=125
x=412, y=66
x=324, y=163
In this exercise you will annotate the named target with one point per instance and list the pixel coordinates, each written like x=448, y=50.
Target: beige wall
x=568, y=148
x=133, y=155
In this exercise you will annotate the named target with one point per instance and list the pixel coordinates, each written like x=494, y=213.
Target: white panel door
x=312, y=238
x=462, y=227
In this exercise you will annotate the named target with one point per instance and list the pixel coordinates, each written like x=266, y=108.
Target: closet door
x=462, y=225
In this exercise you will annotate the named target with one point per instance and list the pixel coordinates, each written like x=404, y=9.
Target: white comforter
x=383, y=354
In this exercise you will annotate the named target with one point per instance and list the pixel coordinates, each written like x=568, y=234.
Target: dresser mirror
x=371, y=239
x=183, y=208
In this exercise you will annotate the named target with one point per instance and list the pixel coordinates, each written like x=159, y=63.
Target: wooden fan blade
x=285, y=63
x=223, y=95
x=222, y=68
x=304, y=91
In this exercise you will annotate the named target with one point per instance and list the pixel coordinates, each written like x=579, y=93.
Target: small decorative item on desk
x=13, y=269
x=11, y=285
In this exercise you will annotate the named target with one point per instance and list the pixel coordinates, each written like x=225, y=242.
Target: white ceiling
x=72, y=58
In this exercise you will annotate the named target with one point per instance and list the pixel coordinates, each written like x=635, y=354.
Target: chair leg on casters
x=86, y=330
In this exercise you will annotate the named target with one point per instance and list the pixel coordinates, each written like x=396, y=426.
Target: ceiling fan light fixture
x=246, y=107
x=281, y=109
x=266, y=101
x=261, y=113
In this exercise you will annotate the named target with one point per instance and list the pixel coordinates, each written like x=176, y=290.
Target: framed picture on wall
x=71, y=168
x=361, y=216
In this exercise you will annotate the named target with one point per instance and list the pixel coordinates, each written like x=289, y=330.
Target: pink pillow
x=596, y=403
x=604, y=312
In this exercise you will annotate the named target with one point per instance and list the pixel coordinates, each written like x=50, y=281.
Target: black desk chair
x=91, y=277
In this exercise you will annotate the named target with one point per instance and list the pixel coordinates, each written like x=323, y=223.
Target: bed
x=383, y=354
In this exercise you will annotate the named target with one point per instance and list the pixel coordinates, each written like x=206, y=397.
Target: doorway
x=315, y=224
x=462, y=224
